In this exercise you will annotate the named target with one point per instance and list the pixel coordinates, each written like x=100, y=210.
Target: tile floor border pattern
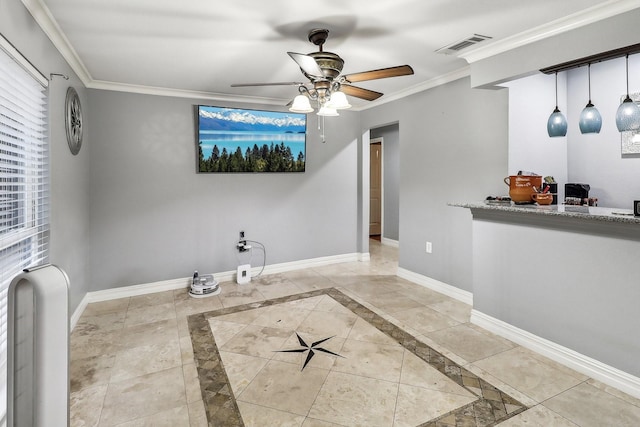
x=491, y=407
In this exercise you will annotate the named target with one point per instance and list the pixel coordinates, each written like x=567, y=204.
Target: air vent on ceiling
x=462, y=44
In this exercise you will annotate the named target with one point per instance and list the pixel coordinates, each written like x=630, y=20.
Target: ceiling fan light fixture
x=327, y=111
x=338, y=101
x=301, y=104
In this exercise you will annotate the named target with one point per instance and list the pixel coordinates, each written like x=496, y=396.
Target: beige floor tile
x=190, y=305
x=143, y=396
x=159, y=332
x=100, y=322
x=276, y=287
x=453, y=308
x=105, y=307
x=91, y=371
x=371, y=360
x=241, y=369
x=470, y=344
x=85, y=406
x=186, y=350
x=197, y=414
x=364, y=331
x=175, y=417
x=150, y=314
x=614, y=391
x=255, y=340
x=416, y=372
x=328, y=324
x=425, y=320
x=155, y=298
x=310, y=422
x=588, y=406
x=95, y=344
x=283, y=317
x=146, y=359
x=329, y=305
x=417, y=405
x=423, y=295
x=224, y=331
x=393, y=302
x=191, y=383
x=304, y=303
x=245, y=317
x=351, y=400
x=272, y=387
x=527, y=374
x=538, y=416
x=241, y=294
x=259, y=416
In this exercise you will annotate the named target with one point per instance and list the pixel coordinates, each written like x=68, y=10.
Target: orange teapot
x=522, y=187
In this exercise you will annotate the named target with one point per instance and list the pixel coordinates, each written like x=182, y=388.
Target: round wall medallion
x=73, y=120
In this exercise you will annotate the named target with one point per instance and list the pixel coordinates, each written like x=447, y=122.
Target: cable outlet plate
x=428, y=247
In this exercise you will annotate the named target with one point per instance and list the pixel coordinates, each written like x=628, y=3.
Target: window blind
x=24, y=177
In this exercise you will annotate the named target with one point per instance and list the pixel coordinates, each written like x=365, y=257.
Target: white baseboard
x=436, y=285
x=183, y=282
x=364, y=257
x=586, y=365
x=78, y=312
x=389, y=242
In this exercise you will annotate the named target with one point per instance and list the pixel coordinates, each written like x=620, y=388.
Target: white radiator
x=38, y=348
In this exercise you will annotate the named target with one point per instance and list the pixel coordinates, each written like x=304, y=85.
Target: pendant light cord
x=589, y=73
x=556, y=90
x=627, y=73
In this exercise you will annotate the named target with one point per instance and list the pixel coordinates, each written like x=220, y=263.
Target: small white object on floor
x=204, y=286
x=244, y=274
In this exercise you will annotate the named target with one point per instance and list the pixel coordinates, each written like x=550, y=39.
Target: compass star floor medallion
x=309, y=348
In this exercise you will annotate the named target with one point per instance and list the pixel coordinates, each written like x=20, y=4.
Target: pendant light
x=557, y=123
x=590, y=118
x=628, y=114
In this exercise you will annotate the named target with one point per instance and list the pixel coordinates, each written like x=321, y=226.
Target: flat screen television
x=243, y=140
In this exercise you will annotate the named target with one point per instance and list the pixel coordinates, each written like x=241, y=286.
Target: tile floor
x=133, y=360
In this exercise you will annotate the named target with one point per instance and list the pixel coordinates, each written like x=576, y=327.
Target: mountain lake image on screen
x=243, y=140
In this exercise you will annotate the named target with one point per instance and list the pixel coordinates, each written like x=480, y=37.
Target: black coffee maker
x=576, y=194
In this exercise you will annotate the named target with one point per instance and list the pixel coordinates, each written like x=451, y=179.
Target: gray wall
x=544, y=283
x=391, y=170
x=450, y=150
x=69, y=174
x=154, y=218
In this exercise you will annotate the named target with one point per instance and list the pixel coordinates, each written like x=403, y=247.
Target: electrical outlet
x=429, y=247
x=241, y=235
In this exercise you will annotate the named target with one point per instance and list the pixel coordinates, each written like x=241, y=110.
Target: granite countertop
x=582, y=212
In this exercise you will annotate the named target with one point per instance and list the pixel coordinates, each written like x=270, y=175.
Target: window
x=24, y=179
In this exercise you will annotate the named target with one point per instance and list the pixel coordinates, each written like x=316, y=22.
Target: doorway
x=375, y=188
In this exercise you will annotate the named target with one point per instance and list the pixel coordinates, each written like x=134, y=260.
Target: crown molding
x=49, y=25
x=553, y=28
x=182, y=93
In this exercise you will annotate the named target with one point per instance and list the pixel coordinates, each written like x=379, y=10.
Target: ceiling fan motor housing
x=330, y=63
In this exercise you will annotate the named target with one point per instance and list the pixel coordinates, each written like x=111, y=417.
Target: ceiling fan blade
x=267, y=84
x=383, y=73
x=359, y=92
x=307, y=63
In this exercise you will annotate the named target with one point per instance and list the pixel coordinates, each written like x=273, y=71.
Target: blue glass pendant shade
x=590, y=119
x=557, y=124
x=628, y=116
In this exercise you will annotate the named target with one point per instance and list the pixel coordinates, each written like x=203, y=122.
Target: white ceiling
x=200, y=47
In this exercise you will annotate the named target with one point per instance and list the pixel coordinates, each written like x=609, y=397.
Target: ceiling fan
x=323, y=69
